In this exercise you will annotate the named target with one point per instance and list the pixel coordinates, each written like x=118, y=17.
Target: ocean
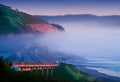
x=103, y=65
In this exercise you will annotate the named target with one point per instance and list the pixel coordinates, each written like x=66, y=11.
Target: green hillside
x=9, y=20
x=72, y=74
x=12, y=21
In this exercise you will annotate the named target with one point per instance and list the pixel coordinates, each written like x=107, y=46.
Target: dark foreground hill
x=62, y=73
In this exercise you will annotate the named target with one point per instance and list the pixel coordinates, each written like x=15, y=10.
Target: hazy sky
x=61, y=7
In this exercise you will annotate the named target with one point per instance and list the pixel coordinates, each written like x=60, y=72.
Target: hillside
x=12, y=21
x=72, y=74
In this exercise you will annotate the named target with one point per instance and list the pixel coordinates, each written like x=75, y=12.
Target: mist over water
x=85, y=41
x=97, y=45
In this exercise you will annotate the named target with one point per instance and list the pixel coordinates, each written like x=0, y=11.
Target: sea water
x=104, y=65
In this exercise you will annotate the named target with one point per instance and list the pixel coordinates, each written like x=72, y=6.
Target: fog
x=87, y=44
x=85, y=40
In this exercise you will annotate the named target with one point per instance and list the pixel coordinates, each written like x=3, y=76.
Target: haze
x=85, y=40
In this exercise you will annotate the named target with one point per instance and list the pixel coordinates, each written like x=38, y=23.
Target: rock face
x=42, y=27
x=12, y=21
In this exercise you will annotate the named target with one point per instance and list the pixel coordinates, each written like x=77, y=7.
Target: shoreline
x=104, y=71
x=101, y=77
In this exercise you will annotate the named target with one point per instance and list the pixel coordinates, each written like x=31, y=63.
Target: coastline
x=101, y=77
x=104, y=71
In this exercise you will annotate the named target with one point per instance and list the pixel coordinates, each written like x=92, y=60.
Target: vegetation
x=72, y=74
x=10, y=75
x=12, y=21
x=62, y=73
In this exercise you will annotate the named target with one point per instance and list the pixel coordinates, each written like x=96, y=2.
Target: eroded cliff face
x=45, y=28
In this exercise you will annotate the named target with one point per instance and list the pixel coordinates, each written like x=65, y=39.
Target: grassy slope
x=10, y=21
x=71, y=73
x=13, y=21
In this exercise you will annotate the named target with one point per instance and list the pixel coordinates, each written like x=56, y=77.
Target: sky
x=62, y=7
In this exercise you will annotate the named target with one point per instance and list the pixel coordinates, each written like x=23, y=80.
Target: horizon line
x=77, y=14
